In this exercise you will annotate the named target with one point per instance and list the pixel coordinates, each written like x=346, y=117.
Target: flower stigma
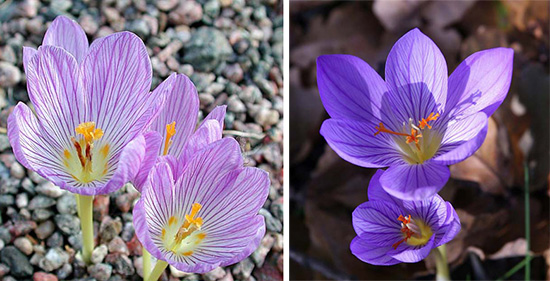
x=413, y=149
x=84, y=161
x=182, y=238
x=170, y=132
x=415, y=232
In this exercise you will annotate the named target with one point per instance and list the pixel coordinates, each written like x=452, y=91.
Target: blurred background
x=487, y=189
x=231, y=50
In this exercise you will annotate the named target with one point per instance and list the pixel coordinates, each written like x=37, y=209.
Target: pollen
x=188, y=253
x=415, y=232
x=89, y=131
x=170, y=132
x=172, y=220
x=424, y=122
x=104, y=151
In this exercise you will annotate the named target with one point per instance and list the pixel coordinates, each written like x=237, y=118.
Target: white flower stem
x=442, y=268
x=157, y=271
x=146, y=262
x=85, y=212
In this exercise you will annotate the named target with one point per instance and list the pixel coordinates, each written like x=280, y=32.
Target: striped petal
x=377, y=193
x=152, y=143
x=28, y=53
x=369, y=253
x=376, y=221
x=208, y=132
x=181, y=106
x=117, y=79
x=68, y=35
x=415, y=182
x=218, y=114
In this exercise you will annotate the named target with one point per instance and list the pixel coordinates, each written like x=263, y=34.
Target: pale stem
x=85, y=206
x=146, y=262
x=442, y=268
x=157, y=271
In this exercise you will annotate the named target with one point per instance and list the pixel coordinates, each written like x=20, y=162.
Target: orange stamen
x=382, y=129
x=414, y=136
x=424, y=122
x=407, y=232
x=170, y=132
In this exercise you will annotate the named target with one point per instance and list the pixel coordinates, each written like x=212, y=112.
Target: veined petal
x=377, y=193
x=207, y=133
x=117, y=78
x=28, y=53
x=462, y=139
x=416, y=74
x=54, y=88
x=408, y=253
x=450, y=229
x=252, y=245
x=432, y=211
x=181, y=106
x=349, y=88
x=218, y=113
x=415, y=182
x=152, y=143
x=355, y=142
x=369, y=253
x=376, y=222
x=480, y=82
x=68, y=35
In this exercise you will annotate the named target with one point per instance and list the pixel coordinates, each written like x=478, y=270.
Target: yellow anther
x=170, y=132
x=191, y=224
x=190, y=219
x=89, y=131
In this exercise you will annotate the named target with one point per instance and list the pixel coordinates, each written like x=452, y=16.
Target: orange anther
x=382, y=129
x=407, y=232
x=414, y=136
x=424, y=122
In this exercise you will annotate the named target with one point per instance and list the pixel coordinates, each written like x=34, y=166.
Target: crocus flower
x=92, y=104
x=417, y=121
x=207, y=216
x=174, y=133
x=391, y=231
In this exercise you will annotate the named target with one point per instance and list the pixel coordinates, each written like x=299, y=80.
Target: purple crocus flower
x=207, y=216
x=391, y=231
x=416, y=122
x=92, y=104
x=174, y=131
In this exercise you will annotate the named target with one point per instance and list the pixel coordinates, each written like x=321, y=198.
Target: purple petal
x=450, y=229
x=377, y=193
x=28, y=53
x=181, y=106
x=349, y=88
x=376, y=222
x=218, y=113
x=415, y=182
x=431, y=211
x=416, y=74
x=68, y=35
x=54, y=88
x=355, y=142
x=252, y=245
x=140, y=220
x=462, y=139
x=480, y=82
x=369, y=253
x=209, y=132
x=117, y=79
x=152, y=143
x=409, y=254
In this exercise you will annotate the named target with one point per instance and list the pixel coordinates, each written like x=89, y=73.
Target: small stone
x=265, y=246
x=170, y=50
x=4, y=269
x=69, y=224
x=121, y=264
x=89, y=24
x=234, y=104
x=207, y=48
x=100, y=272
x=24, y=245
x=17, y=171
x=99, y=253
x=55, y=240
x=36, y=178
x=22, y=200
x=5, y=234
x=212, y=8
x=187, y=12
x=117, y=245
x=206, y=99
x=128, y=231
x=214, y=275
x=243, y=270
x=1, y=244
x=6, y=201
x=54, y=259
x=66, y=204
x=49, y=189
x=75, y=241
x=138, y=265
x=41, y=202
x=20, y=228
x=166, y=5
x=134, y=246
x=9, y=75
x=227, y=277
x=44, y=230
x=277, y=208
x=40, y=215
x=109, y=229
x=139, y=27
x=278, y=246
x=124, y=201
x=17, y=262
x=43, y=276
x=233, y=72
x=65, y=271
x=178, y=273
x=101, y=207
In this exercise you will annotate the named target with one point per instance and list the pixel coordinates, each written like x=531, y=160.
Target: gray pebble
x=49, y=189
x=214, y=275
x=17, y=171
x=24, y=245
x=271, y=223
x=54, y=259
x=100, y=272
x=6, y=201
x=22, y=200
x=207, y=48
x=69, y=224
x=66, y=204
x=9, y=75
x=55, y=240
x=65, y=271
x=187, y=13
x=41, y=202
x=243, y=269
x=99, y=253
x=17, y=262
x=44, y=230
x=40, y=215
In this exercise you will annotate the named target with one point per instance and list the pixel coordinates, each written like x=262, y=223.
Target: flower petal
x=349, y=87
x=450, y=229
x=377, y=193
x=117, y=78
x=152, y=144
x=416, y=74
x=356, y=143
x=68, y=35
x=54, y=88
x=181, y=106
x=432, y=211
x=415, y=182
x=369, y=253
x=28, y=53
x=252, y=245
x=218, y=113
x=209, y=132
x=376, y=222
x=410, y=254
x=480, y=82
x=462, y=139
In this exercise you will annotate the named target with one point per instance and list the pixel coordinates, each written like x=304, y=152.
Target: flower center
x=414, y=150
x=170, y=132
x=415, y=232
x=84, y=161
x=183, y=238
